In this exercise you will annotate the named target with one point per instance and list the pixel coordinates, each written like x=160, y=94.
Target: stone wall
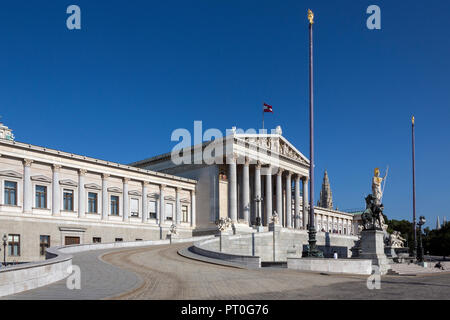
x=274, y=246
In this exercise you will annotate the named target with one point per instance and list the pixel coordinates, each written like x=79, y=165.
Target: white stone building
x=51, y=198
x=242, y=169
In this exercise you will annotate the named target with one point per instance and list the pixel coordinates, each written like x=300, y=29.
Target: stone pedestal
x=372, y=247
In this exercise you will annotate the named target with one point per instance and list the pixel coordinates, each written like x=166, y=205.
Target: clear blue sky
x=137, y=70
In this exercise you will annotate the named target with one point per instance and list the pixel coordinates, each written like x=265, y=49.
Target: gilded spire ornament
x=310, y=16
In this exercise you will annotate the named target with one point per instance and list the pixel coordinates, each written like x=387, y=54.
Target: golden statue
x=310, y=16
x=376, y=184
x=412, y=120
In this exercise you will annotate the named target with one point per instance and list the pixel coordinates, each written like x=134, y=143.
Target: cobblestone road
x=158, y=272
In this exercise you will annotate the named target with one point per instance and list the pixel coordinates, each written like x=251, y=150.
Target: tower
x=326, y=197
x=438, y=224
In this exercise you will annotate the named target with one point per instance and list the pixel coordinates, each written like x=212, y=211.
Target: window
x=184, y=212
x=114, y=205
x=152, y=209
x=138, y=239
x=71, y=240
x=96, y=240
x=68, y=199
x=11, y=193
x=134, y=206
x=92, y=202
x=169, y=211
x=41, y=197
x=118, y=239
x=14, y=245
x=44, y=243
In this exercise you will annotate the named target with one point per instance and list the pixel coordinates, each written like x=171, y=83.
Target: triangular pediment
x=92, y=186
x=41, y=178
x=68, y=182
x=134, y=193
x=10, y=173
x=274, y=143
x=114, y=189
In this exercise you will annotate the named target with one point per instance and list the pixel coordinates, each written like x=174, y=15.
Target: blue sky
x=137, y=70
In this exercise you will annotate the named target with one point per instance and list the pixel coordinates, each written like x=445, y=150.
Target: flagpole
x=313, y=251
x=263, y=118
x=414, y=188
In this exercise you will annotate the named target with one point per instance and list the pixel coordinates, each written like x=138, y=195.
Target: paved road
x=158, y=272
x=166, y=275
x=98, y=280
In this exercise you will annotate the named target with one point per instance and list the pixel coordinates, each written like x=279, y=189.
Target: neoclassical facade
x=245, y=176
x=50, y=198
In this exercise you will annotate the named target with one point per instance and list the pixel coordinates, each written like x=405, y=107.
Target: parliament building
x=52, y=198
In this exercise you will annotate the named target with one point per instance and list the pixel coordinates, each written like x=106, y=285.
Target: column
x=27, y=188
x=258, y=190
x=268, y=194
x=105, y=200
x=297, y=202
x=56, y=201
x=232, y=189
x=125, y=200
x=279, y=192
x=305, y=201
x=178, y=206
x=288, y=200
x=144, y=201
x=162, y=206
x=193, y=208
x=81, y=193
x=246, y=190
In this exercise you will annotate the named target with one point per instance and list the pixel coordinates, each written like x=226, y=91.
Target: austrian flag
x=267, y=108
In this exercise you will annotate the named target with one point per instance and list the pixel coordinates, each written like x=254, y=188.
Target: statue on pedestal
x=372, y=217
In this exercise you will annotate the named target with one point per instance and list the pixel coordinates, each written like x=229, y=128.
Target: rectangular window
x=185, y=214
x=71, y=240
x=92, y=202
x=152, y=209
x=169, y=211
x=118, y=239
x=96, y=240
x=44, y=243
x=14, y=245
x=68, y=199
x=114, y=205
x=41, y=197
x=11, y=193
x=134, y=207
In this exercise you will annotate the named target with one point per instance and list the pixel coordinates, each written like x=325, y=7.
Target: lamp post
x=420, y=249
x=258, y=199
x=4, y=249
x=312, y=250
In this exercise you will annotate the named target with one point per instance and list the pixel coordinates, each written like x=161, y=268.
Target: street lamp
x=420, y=251
x=258, y=199
x=4, y=249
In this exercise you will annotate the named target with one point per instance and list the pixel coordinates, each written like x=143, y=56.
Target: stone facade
x=52, y=198
x=251, y=167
